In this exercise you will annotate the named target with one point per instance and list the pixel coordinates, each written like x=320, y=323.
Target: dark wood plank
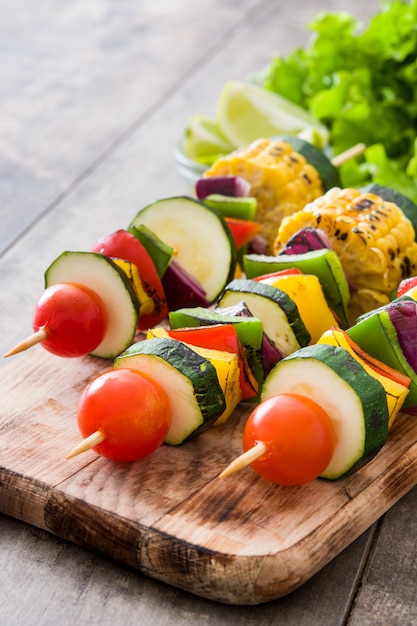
x=389, y=588
x=64, y=585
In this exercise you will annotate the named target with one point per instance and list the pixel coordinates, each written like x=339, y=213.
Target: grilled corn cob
x=281, y=180
x=372, y=237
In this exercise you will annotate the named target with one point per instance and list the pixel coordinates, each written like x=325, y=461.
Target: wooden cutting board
x=238, y=540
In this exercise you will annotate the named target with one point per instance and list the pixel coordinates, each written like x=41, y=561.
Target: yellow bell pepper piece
x=395, y=391
x=146, y=304
x=306, y=291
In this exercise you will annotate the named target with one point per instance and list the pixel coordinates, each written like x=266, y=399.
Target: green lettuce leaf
x=361, y=81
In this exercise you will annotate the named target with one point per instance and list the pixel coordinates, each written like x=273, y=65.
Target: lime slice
x=204, y=139
x=246, y=112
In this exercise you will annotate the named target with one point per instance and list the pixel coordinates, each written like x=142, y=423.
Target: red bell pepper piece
x=285, y=272
x=243, y=231
x=221, y=337
x=123, y=245
x=405, y=285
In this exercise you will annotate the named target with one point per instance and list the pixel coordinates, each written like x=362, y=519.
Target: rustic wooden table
x=93, y=96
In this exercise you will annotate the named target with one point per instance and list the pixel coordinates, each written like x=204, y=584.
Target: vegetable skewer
x=123, y=414
x=289, y=439
x=69, y=320
x=350, y=153
x=89, y=443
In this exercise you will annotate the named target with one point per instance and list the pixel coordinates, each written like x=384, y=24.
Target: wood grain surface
x=238, y=540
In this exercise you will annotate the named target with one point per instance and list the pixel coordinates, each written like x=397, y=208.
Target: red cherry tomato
x=73, y=317
x=299, y=436
x=130, y=409
x=124, y=245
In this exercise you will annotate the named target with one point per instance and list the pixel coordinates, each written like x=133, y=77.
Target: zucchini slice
x=200, y=237
x=110, y=282
x=227, y=367
x=354, y=400
x=396, y=389
x=190, y=380
x=277, y=311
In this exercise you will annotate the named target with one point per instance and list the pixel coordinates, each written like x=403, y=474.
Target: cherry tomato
x=299, y=435
x=73, y=317
x=124, y=245
x=130, y=409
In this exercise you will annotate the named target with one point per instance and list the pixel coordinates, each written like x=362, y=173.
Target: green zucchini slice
x=109, y=281
x=200, y=237
x=353, y=399
x=276, y=310
x=190, y=381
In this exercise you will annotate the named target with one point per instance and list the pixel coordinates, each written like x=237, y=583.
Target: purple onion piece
x=403, y=315
x=236, y=186
x=240, y=309
x=306, y=239
x=270, y=354
x=258, y=245
x=181, y=289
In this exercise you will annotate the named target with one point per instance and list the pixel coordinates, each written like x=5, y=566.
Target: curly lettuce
x=362, y=83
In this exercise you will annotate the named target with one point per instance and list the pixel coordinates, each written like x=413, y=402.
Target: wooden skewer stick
x=87, y=444
x=27, y=343
x=245, y=459
x=350, y=153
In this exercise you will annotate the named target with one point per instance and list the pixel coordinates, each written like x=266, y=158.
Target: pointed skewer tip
x=245, y=459
x=28, y=342
x=87, y=444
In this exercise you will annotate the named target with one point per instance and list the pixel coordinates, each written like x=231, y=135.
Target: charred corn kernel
x=281, y=180
x=372, y=237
